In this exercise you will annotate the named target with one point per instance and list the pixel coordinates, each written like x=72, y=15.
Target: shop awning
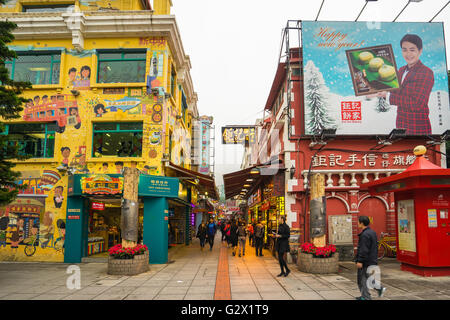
x=205, y=182
x=234, y=182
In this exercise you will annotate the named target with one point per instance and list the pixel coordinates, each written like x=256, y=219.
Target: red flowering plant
x=318, y=252
x=117, y=252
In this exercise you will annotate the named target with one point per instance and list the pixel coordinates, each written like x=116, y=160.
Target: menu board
x=340, y=229
x=406, y=225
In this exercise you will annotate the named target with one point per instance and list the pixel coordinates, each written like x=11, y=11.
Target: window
x=34, y=139
x=172, y=82
x=49, y=8
x=184, y=105
x=117, y=139
x=296, y=72
x=37, y=68
x=121, y=66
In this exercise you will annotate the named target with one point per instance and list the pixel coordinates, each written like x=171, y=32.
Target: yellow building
x=111, y=88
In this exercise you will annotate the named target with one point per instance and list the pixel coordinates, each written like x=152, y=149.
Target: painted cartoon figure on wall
x=48, y=230
x=79, y=161
x=104, y=168
x=4, y=221
x=99, y=110
x=74, y=118
x=65, y=152
x=58, y=197
x=119, y=166
x=80, y=81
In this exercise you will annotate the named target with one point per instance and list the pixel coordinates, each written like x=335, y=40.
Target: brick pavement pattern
x=192, y=274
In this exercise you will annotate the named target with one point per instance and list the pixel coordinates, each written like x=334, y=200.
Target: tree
x=316, y=93
x=382, y=105
x=10, y=108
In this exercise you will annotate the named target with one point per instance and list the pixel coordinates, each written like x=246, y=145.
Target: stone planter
x=128, y=267
x=307, y=263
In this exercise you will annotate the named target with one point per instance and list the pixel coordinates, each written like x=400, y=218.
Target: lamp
x=445, y=136
x=409, y=1
x=396, y=133
x=323, y=136
x=320, y=9
x=254, y=171
x=439, y=11
x=292, y=171
x=364, y=8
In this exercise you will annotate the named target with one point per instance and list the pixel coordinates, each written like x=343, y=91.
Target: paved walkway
x=202, y=275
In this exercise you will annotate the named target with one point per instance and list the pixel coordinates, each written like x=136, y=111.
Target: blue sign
x=158, y=186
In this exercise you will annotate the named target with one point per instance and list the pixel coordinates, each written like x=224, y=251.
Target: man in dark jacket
x=259, y=238
x=201, y=234
x=366, y=256
x=212, y=228
x=282, y=245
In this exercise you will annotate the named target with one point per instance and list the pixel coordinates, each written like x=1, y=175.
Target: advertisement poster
x=205, y=138
x=373, y=69
x=432, y=218
x=406, y=225
x=364, y=79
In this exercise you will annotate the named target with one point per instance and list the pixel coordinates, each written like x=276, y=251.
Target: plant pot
x=310, y=264
x=128, y=267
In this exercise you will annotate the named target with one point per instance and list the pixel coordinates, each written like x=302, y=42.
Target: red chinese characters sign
x=363, y=160
x=351, y=111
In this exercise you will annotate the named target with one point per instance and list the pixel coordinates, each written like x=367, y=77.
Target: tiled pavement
x=201, y=275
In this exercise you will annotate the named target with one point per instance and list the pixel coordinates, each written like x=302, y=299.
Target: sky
x=234, y=48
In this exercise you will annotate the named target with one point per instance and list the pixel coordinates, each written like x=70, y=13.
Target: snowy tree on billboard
x=316, y=93
x=382, y=105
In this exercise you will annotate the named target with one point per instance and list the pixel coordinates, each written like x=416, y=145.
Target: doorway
x=104, y=225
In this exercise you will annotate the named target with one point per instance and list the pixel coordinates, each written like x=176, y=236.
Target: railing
x=329, y=182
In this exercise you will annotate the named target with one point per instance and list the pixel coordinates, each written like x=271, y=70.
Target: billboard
x=238, y=134
x=365, y=78
x=205, y=127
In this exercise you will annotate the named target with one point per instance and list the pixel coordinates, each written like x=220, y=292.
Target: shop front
x=94, y=210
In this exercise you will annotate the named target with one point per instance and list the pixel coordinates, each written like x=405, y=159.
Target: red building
x=283, y=150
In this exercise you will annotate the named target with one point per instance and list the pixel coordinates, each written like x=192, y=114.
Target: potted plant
x=314, y=259
x=128, y=261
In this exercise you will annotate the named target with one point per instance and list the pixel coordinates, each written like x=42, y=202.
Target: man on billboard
x=412, y=97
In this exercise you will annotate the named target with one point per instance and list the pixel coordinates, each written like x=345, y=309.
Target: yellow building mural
x=95, y=107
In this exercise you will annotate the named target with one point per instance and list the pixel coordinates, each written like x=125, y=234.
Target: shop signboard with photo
x=406, y=226
x=362, y=80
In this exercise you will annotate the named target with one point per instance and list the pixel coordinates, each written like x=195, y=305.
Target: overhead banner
x=205, y=151
x=238, y=134
x=364, y=78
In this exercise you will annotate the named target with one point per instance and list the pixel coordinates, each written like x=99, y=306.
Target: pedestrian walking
x=228, y=233
x=222, y=230
x=233, y=236
x=366, y=256
x=201, y=234
x=254, y=229
x=242, y=237
x=211, y=233
x=259, y=238
x=282, y=245
x=250, y=233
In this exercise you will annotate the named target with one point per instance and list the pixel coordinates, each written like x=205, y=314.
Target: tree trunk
x=130, y=208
